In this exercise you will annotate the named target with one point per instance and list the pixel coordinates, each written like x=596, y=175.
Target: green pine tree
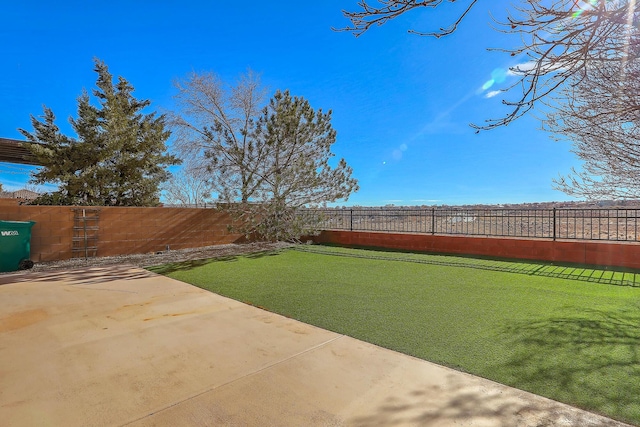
x=295, y=172
x=119, y=156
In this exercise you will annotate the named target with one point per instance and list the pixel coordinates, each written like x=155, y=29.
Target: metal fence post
x=351, y=220
x=554, y=224
x=433, y=221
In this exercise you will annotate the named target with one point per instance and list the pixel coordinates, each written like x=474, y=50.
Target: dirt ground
x=164, y=257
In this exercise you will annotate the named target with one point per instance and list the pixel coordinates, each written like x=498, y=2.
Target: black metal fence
x=556, y=223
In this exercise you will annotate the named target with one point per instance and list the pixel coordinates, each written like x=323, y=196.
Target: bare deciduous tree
x=559, y=38
x=600, y=114
x=189, y=187
x=217, y=122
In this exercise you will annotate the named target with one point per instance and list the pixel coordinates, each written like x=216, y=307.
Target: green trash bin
x=15, y=245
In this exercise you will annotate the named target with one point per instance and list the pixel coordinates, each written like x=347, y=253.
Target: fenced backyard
x=607, y=233
x=620, y=224
x=567, y=333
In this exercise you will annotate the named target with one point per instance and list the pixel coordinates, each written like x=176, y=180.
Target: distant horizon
x=20, y=184
x=393, y=204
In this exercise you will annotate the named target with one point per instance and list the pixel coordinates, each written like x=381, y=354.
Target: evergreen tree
x=119, y=156
x=295, y=172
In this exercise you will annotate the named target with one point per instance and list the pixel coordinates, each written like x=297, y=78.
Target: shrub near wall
x=122, y=230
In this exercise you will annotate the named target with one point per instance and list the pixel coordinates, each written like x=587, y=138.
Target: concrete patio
x=120, y=346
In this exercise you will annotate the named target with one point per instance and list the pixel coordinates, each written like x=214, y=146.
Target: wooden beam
x=15, y=151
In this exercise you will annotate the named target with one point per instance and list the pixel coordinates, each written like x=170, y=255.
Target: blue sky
x=401, y=103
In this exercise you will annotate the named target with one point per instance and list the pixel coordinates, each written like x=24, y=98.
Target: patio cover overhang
x=16, y=151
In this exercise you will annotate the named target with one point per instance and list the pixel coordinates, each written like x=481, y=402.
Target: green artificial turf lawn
x=567, y=333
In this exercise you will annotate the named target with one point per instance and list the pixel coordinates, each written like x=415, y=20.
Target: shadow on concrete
x=80, y=276
x=469, y=403
x=583, y=273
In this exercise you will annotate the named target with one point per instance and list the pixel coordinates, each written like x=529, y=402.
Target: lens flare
x=488, y=84
x=498, y=75
x=590, y=4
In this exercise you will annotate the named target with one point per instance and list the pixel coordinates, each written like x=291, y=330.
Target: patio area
x=118, y=345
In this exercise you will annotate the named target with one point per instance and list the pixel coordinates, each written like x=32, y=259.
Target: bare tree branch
x=190, y=186
x=600, y=115
x=217, y=122
x=387, y=10
x=559, y=38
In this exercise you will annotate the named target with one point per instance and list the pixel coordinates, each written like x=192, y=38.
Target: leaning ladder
x=85, y=232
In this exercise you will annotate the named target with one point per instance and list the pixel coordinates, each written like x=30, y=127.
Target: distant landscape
x=577, y=204
x=595, y=220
